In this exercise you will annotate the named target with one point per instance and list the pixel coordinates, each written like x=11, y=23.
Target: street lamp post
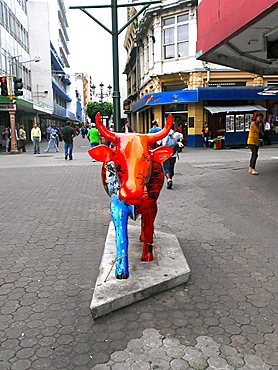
x=114, y=32
x=102, y=94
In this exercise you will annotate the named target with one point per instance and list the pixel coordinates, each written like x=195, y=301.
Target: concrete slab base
x=168, y=269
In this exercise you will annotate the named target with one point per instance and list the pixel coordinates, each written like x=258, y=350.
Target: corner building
x=164, y=76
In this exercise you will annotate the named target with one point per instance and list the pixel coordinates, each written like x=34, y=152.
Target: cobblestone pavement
x=54, y=218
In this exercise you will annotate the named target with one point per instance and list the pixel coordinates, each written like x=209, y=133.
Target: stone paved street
x=54, y=219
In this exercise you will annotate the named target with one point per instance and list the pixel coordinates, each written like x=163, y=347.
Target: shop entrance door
x=180, y=116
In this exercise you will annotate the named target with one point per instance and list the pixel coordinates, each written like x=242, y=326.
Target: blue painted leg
x=119, y=213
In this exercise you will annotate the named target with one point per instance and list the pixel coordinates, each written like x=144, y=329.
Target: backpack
x=172, y=143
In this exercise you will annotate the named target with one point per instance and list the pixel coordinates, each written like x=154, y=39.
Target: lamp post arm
x=115, y=51
x=133, y=18
x=96, y=20
x=140, y=3
x=108, y=6
x=89, y=6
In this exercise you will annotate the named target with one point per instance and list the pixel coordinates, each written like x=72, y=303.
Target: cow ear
x=162, y=153
x=101, y=153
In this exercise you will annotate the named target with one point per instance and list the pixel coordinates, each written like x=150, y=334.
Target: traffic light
x=18, y=85
x=4, y=86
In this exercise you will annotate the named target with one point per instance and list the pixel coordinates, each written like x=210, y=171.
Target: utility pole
x=115, y=44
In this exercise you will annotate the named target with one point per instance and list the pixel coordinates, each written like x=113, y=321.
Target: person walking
x=206, y=135
x=68, y=135
x=253, y=142
x=52, y=140
x=84, y=132
x=22, y=138
x=36, y=136
x=154, y=127
x=267, y=129
x=94, y=137
x=48, y=128
x=126, y=128
x=6, y=136
x=172, y=139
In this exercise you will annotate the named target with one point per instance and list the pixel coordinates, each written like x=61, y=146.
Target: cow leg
x=149, y=211
x=142, y=236
x=119, y=213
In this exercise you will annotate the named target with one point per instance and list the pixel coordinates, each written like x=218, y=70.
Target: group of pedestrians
x=54, y=137
x=20, y=138
x=173, y=139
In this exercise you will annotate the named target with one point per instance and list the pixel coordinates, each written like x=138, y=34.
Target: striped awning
x=235, y=108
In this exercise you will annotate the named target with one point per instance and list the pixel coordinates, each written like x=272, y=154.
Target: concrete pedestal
x=168, y=269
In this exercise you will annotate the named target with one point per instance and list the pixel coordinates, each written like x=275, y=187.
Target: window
x=248, y=120
x=1, y=13
x=175, y=36
x=230, y=123
x=239, y=122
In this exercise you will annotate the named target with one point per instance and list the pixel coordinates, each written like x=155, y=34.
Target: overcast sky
x=91, y=45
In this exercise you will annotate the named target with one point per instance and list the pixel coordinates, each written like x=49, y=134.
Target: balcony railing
x=63, y=112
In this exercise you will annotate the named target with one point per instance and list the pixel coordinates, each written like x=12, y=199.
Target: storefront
x=233, y=121
x=226, y=109
x=159, y=105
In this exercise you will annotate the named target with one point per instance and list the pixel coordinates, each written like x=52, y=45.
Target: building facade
x=245, y=37
x=53, y=43
x=34, y=48
x=16, y=60
x=164, y=76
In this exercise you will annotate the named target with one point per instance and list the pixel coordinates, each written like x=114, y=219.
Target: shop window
x=239, y=122
x=174, y=87
x=248, y=120
x=176, y=107
x=230, y=123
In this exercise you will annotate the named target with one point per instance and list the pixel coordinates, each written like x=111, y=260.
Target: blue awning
x=66, y=80
x=55, y=60
x=60, y=91
x=79, y=110
x=168, y=97
x=231, y=93
x=201, y=94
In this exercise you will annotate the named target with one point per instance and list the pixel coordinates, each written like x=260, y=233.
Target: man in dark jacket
x=68, y=135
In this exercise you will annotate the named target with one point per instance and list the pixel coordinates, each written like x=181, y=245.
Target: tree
x=105, y=109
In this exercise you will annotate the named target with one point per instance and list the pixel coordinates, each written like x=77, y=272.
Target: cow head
x=133, y=158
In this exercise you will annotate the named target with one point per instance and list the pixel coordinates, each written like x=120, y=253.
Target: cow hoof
x=147, y=258
x=123, y=275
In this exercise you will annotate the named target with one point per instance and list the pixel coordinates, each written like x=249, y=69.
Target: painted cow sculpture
x=133, y=176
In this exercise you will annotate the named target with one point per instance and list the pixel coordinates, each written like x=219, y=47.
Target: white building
x=52, y=76
x=34, y=47
x=16, y=60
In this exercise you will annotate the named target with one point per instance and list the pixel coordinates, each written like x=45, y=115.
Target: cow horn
x=111, y=136
x=164, y=132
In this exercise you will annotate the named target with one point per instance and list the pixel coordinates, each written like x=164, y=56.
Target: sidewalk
x=54, y=218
